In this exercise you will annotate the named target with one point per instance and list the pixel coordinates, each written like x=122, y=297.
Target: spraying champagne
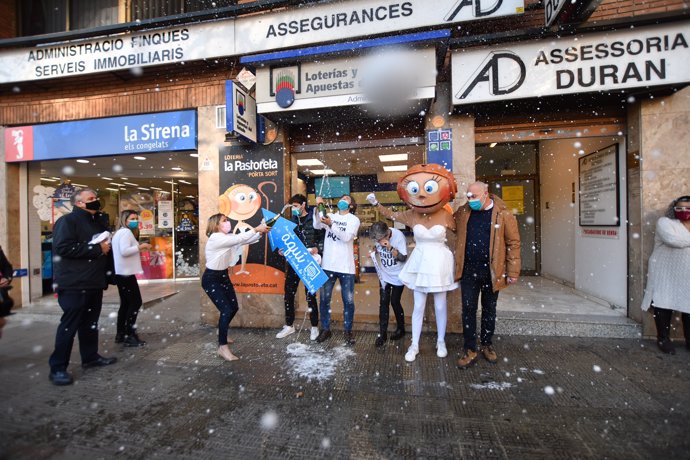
x=270, y=222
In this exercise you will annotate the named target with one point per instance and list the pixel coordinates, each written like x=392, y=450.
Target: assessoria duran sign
x=250, y=34
x=633, y=58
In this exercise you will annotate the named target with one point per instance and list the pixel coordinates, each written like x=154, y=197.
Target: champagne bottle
x=270, y=222
x=322, y=210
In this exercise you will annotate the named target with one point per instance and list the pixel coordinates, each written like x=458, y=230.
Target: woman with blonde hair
x=126, y=249
x=222, y=252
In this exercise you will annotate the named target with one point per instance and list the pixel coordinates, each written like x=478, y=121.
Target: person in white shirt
x=338, y=263
x=126, y=249
x=391, y=248
x=223, y=251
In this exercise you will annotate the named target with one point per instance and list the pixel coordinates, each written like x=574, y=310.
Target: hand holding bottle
x=262, y=228
x=371, y=198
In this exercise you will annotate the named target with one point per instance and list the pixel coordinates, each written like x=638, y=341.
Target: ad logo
x=478, y=11
x=19, y=144
x=285, y=83
x=504, y=72
x=241, y=102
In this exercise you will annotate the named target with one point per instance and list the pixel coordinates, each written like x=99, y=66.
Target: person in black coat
x=80, y=275
x=6, y=302
x=313, y=241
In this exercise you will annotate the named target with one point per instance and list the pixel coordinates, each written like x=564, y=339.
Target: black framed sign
x=599, y=182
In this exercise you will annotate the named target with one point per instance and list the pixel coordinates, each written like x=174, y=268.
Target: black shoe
x=134, y=341
x=61, y=378
x=119, y=338
x=666, y=346
x=99, y=362
x=398, y=334
x=324, y=335
x=349, y=339
x=380, y=340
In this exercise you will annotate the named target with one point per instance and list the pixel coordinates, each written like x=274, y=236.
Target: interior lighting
x=83, y=161
x=48, y=180
x=144, y=188
x=182, y=181
x=129, y=183
x=321, y=172
x=176, y=168
x=79, y=185
x=492, y=145
x=112, y=189
x=309, y=162
x=195, y=155
x=106, y=178
x=156, y=188
x=395, y=168
x=393, y=157
x=115, y=183
x=139, y=158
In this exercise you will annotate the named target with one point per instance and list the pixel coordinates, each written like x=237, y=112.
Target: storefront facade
x=580, y=130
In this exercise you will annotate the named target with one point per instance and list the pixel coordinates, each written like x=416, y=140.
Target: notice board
x=599, y=182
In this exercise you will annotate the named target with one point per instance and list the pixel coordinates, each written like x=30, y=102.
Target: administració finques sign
x=153, y=132
x=632, y=58
x=255, y=33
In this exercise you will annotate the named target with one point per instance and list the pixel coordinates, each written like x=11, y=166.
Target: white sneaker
x=287, y=330
x=441, y=351
x=314, y=333
x=411, y=354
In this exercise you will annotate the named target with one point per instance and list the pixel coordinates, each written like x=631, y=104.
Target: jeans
x=218, y=287
x=390, y=295
x=471, y=287
x=291, y=283
x=347, y=287
x=81, y=309
x=130, y=303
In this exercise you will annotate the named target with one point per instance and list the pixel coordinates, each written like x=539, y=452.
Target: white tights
x=418, y=316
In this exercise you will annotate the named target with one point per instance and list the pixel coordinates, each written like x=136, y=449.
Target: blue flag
x=282, y=236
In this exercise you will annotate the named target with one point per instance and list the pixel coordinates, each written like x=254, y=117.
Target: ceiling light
x=176, y=168
x=309, y=162
x=156, y=188
x=115, y=183
x=48, y=180
x=393, y=157
x=139, y=158
x=106, y=178
x=56, y=178
x=395, y=168
x=190, y=196
x=195, y=155
x=492, y=145
x=321, y=172
x=172, y=182
x=83, y=161
x=112, y=189
x=129, y=183
x=182, y=181
x=144, y=188
x=79, y=185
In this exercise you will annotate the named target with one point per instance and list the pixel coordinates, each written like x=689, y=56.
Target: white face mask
x=225, y=227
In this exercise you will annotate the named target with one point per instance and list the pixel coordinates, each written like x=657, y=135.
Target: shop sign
x=240, y=111
x=153, y=132
x=251, y=178
x=118, y=52
x=552, y=8
x=341, y=82
x=340, y=20
x=639, y=57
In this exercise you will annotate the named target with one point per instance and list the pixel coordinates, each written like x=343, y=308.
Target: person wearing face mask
x=223, y=251
x=487, y=259
x=79, y=271
x=668, y=273
x=313, y=241
x=126, y=251
x=338, y=263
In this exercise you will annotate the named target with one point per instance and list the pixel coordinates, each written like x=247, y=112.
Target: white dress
x=430, y=266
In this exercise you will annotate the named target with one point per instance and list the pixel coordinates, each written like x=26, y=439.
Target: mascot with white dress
x=426, y=189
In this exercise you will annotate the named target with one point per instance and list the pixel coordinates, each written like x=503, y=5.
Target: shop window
x=48, y=16
x=149, y=9
x=92, y=13
x=220, y=116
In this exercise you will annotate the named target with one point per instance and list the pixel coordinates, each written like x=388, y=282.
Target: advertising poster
x=251, y=178
x=165, y=214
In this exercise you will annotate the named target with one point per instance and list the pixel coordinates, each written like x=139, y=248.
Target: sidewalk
x=548, y=397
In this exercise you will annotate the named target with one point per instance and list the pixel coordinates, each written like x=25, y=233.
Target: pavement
x=547, y=398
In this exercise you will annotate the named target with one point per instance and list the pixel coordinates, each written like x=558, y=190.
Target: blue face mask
x=475, y=205
x=296, y=212
x=343, y=205
x=133, y=224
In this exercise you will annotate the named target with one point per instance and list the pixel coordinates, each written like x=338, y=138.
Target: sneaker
x=666, y=346
x=412, y=353
x=323, y=336
x=468, y=359
x=398, y=334
x=380, y=340
x=489, y=353
x=349, y=338
x=61, y=378
x=314, y=333
x=441, y=350
x=285, y=331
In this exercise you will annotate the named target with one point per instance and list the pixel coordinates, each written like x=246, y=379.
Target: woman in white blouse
x=222, y=252
x=126, y=250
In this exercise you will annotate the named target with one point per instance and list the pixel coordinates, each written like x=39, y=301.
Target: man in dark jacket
x=313, y=241
x=80, y=277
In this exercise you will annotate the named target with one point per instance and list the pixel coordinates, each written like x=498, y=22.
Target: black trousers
x=291, y=283
x=471, y=286
x=130, y=303
x=81, y=309
x=390, y=295
x=218, y=287
x=662, y=319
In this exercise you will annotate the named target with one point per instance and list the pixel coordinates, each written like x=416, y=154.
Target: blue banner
x=439, y=147
x=135, y=134
x=283, y=237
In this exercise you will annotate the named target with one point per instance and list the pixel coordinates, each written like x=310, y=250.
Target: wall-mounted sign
x=240, y=111
x=151, y=132
x=552, y=9
x=439, y=147
x=165, y=214
x=338, y=82
x=598, y=179
x=609, y=233
x=631, y=58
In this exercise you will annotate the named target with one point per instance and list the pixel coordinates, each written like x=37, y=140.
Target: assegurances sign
x=153, y=132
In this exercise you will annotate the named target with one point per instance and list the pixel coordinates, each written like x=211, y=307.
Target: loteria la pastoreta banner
x=251, y=178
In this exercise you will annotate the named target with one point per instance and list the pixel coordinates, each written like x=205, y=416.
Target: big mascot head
x=427, y=188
